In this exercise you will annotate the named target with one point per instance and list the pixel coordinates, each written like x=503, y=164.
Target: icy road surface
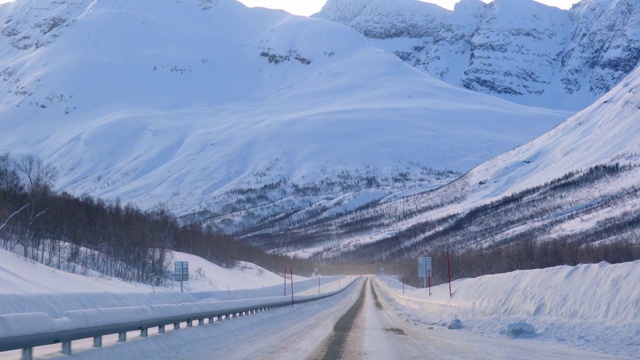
x=379, y=333
x=355, y=324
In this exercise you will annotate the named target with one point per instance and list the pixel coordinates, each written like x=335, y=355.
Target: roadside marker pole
x=285, y=280
x=429, y=276
x=449, y=270
x=318, y=284
x=292, y=286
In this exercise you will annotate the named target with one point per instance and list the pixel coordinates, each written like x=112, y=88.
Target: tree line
x=523, y=254
x=82, y=233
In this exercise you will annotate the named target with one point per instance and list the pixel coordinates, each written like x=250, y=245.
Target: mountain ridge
x=522, y=50
x=572, y=186
x=278, y=119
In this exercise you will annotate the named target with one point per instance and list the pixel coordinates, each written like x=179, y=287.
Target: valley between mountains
x=305, y=136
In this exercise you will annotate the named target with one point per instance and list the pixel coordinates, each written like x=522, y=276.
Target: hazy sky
x=308, y=7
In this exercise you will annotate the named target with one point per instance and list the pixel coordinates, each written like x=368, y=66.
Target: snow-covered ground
x=594, y=307
x=27, y=286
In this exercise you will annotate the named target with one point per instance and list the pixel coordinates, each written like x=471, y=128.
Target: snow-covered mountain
x=578, y=183
x=237, y=114
x=519, y=50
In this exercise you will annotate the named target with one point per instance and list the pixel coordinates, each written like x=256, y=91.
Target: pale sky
x=308, y=7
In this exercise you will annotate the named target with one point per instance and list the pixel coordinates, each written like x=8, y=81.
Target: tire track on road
x=336, y=344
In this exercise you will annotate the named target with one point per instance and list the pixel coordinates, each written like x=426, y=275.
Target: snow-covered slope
x=606, y=132
x=239, y=113
x=517, y=49
x=591, y=306
x=23, y=276
x=577, y=183
x=27, y=286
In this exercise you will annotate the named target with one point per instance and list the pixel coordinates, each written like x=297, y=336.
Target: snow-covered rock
x=520, y=329
x=517, y=49
x=455, y=324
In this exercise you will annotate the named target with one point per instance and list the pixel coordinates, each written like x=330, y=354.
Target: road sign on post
x=181, y=272
x=424, y=268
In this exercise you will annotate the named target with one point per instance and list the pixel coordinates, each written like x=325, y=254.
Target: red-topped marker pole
x=292, y=286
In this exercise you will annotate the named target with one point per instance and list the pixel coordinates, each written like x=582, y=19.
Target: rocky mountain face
x=516, y=49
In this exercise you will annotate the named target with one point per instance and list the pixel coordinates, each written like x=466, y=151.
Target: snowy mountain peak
x=465, y=10
x=520, y=50
x=385, y=18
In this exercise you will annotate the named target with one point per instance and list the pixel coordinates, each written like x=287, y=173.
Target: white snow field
x=587, y=311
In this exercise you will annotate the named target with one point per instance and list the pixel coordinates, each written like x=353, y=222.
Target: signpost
x=382, y=272
x=424, y=270
x=181, y=272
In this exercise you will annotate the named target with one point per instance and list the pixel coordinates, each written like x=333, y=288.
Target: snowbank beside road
x=30, y=287
x=594, y=306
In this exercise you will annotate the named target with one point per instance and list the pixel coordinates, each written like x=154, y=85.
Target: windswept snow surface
x=594, y=307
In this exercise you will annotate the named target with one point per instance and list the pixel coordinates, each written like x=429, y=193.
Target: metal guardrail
x=65, y=337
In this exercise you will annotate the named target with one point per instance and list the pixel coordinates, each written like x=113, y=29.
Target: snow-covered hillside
x=27, y=286
x=577, y=183
x=606, y=132
x=241, y=114
x=520, y=50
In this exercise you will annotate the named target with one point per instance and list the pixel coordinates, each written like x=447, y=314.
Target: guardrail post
x=66, y=347
x=122, y=329
x=27, y=353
